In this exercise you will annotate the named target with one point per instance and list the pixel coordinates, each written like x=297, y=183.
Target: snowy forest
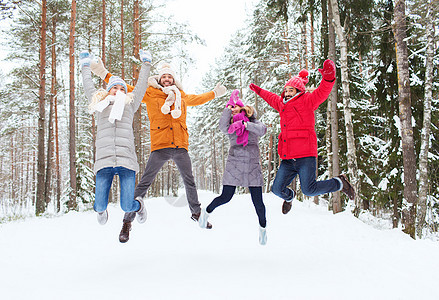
x=380, y=125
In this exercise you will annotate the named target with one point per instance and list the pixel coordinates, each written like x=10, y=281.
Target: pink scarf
x=239, y=127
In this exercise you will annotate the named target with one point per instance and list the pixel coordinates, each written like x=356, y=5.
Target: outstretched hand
x=145, y=56
x=219, y=90
x=84, y=58
x=98, y=68
x=328, y=71
x=255, y=88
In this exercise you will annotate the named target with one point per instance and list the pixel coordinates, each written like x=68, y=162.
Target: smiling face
x=116, y=88
x=166, y=80
x=236, y=110
x=290, y=92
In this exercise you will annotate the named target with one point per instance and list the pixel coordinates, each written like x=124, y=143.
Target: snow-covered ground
x=310, y=254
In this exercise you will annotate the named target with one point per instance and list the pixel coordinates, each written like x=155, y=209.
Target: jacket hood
x=153, y=81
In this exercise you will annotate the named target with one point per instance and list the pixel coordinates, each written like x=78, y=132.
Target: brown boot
x=195, y=217
x=124, y=235
x=286, y=206
x=348, y=189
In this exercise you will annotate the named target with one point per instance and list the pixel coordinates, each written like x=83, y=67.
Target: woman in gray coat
x=242, y=168
x=114, y=110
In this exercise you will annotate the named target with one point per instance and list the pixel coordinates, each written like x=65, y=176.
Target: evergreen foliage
x=274, y=45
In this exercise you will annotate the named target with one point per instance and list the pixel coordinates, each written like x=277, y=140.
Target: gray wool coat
x=243, y=167
x=115, y=141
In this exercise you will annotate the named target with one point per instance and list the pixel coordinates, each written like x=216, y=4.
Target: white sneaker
x=141, y=213
x=202, y=220
x=102, y=217
x=262, y=235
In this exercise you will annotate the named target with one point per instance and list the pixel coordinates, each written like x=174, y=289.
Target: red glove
x=255, y=88
x=328, y=71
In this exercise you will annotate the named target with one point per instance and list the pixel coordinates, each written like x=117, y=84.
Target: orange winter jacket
x=165, y=131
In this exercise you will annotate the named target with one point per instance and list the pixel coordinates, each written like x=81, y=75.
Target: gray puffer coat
x=243, y=167
x=115, y=141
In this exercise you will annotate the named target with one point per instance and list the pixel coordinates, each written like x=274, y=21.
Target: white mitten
x=98, y=68
x=145, y=56
x=84, y=59
x=219, y=90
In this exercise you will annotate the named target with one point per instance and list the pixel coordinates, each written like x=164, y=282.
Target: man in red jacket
x=298, y=140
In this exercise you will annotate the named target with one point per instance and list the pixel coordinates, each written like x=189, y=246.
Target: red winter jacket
x=298, y=136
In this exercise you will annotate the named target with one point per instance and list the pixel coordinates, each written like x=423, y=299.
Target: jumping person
x=239, y=122
x=166, y=104
x=298, y=140
x=114, y=109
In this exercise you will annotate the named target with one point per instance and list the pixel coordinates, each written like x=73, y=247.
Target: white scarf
x=176, y=112
x=118, y=106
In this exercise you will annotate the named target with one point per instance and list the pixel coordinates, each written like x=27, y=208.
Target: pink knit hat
x=299, y=82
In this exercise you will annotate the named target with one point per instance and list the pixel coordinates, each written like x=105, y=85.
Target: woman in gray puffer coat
x=114, y=110
x=242, y=168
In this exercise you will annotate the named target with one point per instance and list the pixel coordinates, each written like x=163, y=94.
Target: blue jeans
x=305, y=167
x=104, y=178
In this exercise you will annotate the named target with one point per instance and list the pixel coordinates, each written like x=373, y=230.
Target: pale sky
x=213, y=21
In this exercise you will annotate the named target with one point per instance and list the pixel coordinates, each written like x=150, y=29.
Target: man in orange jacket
x=166, y=104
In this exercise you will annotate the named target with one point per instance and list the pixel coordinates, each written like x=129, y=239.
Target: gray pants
x=155, y=162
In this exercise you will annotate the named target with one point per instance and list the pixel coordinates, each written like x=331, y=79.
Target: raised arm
x=142, y=83
x=194, y=100
x=271, y=98
x=322, y=92
x=87, y=82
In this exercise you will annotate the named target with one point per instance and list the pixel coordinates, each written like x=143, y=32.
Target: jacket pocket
x=182, y=135
x=298, y=142
x=160, y=132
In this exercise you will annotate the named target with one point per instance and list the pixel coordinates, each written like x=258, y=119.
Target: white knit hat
x=166, y=68
x=116, y=80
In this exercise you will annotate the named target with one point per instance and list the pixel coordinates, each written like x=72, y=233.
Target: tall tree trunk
x=137, y=124
x=72, y=123
x=426, y=126
x=50, y=140
x=352, y=154
x=328, y=137
x=55, y=110
x=12, y=176
x=104, y=30
x=40, y=201
x=324, y=28
x=405, y=115
x=328, y=142
x=122, y=37
x=333, y=97
x=287, y=50
x=49, y=162
x=305, y=44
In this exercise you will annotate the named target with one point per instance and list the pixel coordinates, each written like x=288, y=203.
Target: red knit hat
x=299, y=82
